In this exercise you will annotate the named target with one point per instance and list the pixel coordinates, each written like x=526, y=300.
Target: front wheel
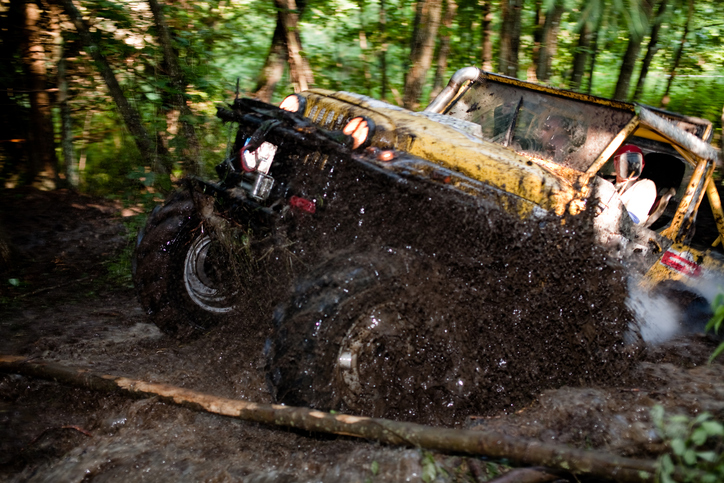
x=201, y=276
x=181, y=268
x=358, y=336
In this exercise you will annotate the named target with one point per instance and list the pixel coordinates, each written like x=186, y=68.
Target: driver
x=561, y=136
x=555, y=136
x=637, y=195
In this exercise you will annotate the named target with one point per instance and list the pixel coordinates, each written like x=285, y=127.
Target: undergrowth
x=715, y=323
x=695, y=444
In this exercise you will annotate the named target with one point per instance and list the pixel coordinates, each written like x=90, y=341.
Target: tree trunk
x=549, y=41
x=627, y=67
x=66, y=126
x=677, y=57
x=273, y=69
x=66, y=122
x=444, y=48
x=84, y=141
x=721, y=138
x=191, y=151
x=43, y=165
x=629, y=58
x=363, y=49
x=383, y=50
x=651, y=50
x=299, y=71
x=486, y=39
x=594, y=49
x=13, y=114
x=581, y=56
x=510, y=11
x=423, y=49
x=277, y=57
x=130, y=115
x=538, y=23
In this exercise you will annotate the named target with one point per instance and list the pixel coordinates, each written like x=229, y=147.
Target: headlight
x=294, y=103
x=360, y=128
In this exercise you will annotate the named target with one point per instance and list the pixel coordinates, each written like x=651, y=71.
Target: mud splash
x=499, y=309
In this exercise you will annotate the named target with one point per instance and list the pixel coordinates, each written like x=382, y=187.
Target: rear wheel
x=181, y=269
x=695, y=309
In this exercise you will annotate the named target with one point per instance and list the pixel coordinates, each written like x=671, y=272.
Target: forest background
x=117, y=98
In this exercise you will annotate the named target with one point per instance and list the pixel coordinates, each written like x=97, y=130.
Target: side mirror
x=628, y=166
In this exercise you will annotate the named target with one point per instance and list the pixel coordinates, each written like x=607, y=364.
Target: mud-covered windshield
x=566, y=131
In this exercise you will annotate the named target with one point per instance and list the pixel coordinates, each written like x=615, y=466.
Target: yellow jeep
x=414, y=264
x=497, y=130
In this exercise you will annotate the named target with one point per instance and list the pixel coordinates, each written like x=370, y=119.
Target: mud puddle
x=45, y=427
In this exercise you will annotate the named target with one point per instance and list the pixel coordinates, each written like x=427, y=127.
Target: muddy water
x=499, y=309
x=566, y=377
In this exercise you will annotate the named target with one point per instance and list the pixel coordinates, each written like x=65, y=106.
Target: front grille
x=327, y=117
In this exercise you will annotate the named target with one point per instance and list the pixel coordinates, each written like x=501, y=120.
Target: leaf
x=149, y=179
x=716, y=320
x=713, y=428
x=657, y=414
x=667, y=467
x=701, y=418
x=718, y=301
x=699, y=436
x=716, y=352
x=678, y=446
x=429, y=469
x=710, y=456
x=690, y=457
x=375, y=467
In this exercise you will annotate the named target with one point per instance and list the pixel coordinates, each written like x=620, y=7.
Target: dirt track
x=66, y=308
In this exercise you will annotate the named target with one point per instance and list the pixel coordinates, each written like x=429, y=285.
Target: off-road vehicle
x=362, y=230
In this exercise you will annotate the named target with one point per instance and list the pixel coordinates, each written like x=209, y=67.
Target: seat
x=659, y=207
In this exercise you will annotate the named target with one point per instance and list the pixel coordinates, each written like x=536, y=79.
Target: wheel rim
x=199, y=283
x=371, y=349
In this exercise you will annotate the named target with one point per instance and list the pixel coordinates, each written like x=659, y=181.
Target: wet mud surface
x=568, y=379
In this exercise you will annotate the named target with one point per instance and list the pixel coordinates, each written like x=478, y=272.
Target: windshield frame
x=516, y=114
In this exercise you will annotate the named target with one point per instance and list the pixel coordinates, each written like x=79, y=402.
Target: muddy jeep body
x=463, y=130
x=333, y=242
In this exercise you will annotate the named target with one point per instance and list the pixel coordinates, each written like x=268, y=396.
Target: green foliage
x=696, y=447
x=715, y=323
x=430, y=467
x=217, y=42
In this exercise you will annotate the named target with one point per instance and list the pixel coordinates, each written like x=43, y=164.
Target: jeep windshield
x=539, y=124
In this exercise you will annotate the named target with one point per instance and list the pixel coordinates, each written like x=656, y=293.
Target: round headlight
x=293, y=103
x=360, y=128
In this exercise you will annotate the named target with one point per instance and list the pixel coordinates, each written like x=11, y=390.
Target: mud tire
x=361, y=302
x=695, y=309
x=170, y=246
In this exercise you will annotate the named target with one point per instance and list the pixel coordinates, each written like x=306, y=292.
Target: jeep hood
x=443, y=140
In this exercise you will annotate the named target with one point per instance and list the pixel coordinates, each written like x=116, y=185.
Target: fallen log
x=479, y=443
x=527, y=475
